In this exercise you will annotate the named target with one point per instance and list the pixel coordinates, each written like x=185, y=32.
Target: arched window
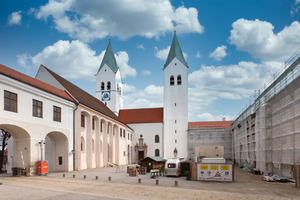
x=157, y=139
x=172, y=80
x=102, y=86
x=82, y=144
x=108, y=85
x=156, y=152
x=178, y=80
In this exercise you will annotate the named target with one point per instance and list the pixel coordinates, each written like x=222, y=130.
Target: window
x=102, y=86
x=175, y=140
x=82, y=144
x=171, y=165
x=128, y=136
x=37, y=108
x=82, y=121
x=172, y=80
x=60, y=160
x=93, y=146
x=131, y=137
x=101, y=126
x=157, y=139
x=93, y=124
x=56, y=113
x=120, y=132
x=10, y=101
x=178, y=80
x=156, y=152
x=108, y=85
x=124, y=133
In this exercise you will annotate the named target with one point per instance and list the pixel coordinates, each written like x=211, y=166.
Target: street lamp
x=42, y=142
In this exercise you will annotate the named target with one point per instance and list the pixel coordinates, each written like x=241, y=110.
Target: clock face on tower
x=106, y=96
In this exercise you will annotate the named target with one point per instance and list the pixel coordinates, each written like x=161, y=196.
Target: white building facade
x=37, y=116
x=175, y=103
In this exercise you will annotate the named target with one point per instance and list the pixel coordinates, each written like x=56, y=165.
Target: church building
x=157, y=131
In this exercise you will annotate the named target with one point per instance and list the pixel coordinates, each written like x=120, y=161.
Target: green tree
x=4, y=136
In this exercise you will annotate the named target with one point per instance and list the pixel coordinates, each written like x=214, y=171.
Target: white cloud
x=209, y=117
x=24, y=60
x=163, y=53
x=146, y=72
x=219, y=53
x=258, y=39
x=129, y=88
x=140, y=46
x=150, y=97
x=295, y=7
x=198, y=55
x=89, y=20
x=233, y=82
x=15, y=18
x=122, y=59
x=74, y=60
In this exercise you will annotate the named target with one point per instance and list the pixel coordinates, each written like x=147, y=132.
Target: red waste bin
x=45, y=167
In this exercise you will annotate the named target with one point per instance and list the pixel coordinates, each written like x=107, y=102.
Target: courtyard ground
x=122, y=186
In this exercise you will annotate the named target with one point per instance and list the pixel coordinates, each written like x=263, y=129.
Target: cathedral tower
x=109, y=82
x=175, y=103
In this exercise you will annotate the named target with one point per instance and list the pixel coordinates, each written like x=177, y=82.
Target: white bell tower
x=175, y=103
x=109, y=82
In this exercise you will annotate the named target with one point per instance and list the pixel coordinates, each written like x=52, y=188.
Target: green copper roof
x=109, y=59
x=175, y=51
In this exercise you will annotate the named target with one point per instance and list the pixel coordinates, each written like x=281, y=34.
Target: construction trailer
x=266, y=135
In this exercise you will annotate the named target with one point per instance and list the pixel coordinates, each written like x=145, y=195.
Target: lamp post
x=175, y=152
x=42, y=142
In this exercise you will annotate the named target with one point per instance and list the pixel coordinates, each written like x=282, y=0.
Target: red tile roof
x=34, y=82
x=210, y=125
x=83, y=97
x=144, y=115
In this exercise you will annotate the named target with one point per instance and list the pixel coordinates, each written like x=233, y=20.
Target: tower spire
x=109, y=58
x=175, y=51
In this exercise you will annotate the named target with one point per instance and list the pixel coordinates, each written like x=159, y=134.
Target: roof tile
x=34, y=82
x=144, y=115
x=210, y=125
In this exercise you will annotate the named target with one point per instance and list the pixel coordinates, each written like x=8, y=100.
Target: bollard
x=157, y=182
x=176, y=183
x=139, y=180
x=109, y=178
x=84, y=176
x=96, y=177
x=64, y=175
x=73, y=175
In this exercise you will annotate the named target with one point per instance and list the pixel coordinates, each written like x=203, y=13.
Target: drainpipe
x=74, y=126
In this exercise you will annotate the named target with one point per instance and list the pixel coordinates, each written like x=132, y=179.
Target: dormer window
x=178, y=80
x=102, y=86
x=172, y=80
x=108, y=85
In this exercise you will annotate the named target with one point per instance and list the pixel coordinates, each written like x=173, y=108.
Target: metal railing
x=286, y=74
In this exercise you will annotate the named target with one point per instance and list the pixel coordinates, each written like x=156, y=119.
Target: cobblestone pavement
x=122, y=186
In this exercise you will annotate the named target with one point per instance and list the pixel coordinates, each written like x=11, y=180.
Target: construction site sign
x=215, y=172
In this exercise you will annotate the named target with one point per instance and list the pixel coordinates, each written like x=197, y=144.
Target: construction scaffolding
x=216, y=138
x=266, y=135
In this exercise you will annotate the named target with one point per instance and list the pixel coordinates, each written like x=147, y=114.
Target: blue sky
x=232, y=47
